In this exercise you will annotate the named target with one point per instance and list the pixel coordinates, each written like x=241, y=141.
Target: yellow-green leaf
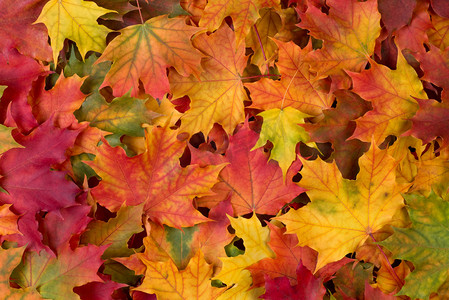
x=280, y=126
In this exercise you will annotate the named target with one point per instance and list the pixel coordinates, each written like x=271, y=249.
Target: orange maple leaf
x=144, y=52
x=154, y=177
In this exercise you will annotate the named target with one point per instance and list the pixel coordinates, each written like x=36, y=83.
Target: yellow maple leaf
x=255, y=238
x=75, y=20
x=280, y=126
x=218, y=95
x=242, y=290
x=167, y=282
x=243, y=13
x=344, y=213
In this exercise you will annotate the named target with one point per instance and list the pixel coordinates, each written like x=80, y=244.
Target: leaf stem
x=389, y=267
x=140, y=13
x=261, y=47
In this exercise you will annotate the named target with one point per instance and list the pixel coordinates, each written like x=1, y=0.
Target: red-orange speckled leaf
x=154, y=177
x=251, y=181
x=243, y=13
x=8, y=220
x=218, y=95
x=349, y=33
x=61, y=101
x=298, y=87
x=144, y=52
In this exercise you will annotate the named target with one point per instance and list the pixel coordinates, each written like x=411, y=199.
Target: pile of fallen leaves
x=220, y=149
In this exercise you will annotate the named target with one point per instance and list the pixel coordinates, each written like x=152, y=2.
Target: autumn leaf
x=123, y=115
x=115, y=233
x=144, y=179
x=243, y=13
x=144, y=52
x=9, y=260
x=260, y=41
x=281, y=127
x=349, y=34
x=54, y=102
x=19, y=32
x=430, y=122
x=391, y=94
x=218, y=95
x=32, y=178
x=7, y=141
x=287, y=259
x=255, y=238
x=250, y=181
x=167, y=282
x=8, y=220
x=75, y=20
x=423, y=244
x=54, y=278
x=337, y=126
x=344, y=213
x=308, y=287
x=299, y=87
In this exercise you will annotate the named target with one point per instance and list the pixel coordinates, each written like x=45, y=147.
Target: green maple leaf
x=425, y=244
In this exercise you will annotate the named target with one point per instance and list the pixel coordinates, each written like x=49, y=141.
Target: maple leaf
x=298, y=87
x=259, y=38
x=18, y=31
x=54, y=278
x=60, y=227
x=18, y=73
x=418, y=244
x=7, y=141
x=116, y=232
x=251, y=181
x=243, y=13
x=281, y=127
x=308, y=286
x=396, y=13
x=336, y=126
x=27, y=175
x=99, y=290
x=9, y=260
x=144, y=52
x=429, y=60
x=344, y=213
x=123, y=115
x=413, y=36
x=167, y=282
x=430, y=122
x=8, y=220
x=349, y=33
x=242, y=289
x=154, y=177
x=255, y=238
x=217, y=95
x=390, y=93
x=75, y=20
x=288, y=257
x=438, y=32
x=55, y=102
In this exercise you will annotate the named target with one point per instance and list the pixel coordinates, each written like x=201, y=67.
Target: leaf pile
x=211, y=149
